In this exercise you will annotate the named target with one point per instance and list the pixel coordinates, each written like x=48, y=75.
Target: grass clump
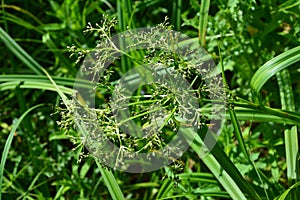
x=255, y=46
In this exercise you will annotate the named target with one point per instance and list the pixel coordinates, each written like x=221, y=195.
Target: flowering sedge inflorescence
x=156, y=108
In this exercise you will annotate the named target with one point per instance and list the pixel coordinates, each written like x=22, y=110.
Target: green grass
x=9, y=141
x=256, y=48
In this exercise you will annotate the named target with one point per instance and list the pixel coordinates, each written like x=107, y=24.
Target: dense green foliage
x=256, y=47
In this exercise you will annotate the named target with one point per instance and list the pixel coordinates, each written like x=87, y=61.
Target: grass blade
x=65, y=81
x=237, y=129
x=259, y=116
x=165, y=188
x=29, y=61
x=285, y=194
x=291, y=137
x=290, y=134
x=203, y=19
x=9, y=141
x=176, y=16
x=238, y=132
x=124, y=7
x=111, y=183
x=20, y=53
x=221, y=166
x=270, y=68
x=241, y=142
x=35, y=85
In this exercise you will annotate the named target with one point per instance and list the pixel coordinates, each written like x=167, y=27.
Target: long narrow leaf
x=34, y=85
x=9, y=141
x=165, y=188
x=20, y=53
x=240, y=139
x=221, y=166
x=270, y=68
x=42, y=78
x=285, y=194
x=203, y=20
x=238, y=132
x=29, y=61
x=290, y=134
x=176, y=16
x=111, y=183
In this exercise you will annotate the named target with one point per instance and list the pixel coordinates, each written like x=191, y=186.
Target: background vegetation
x=256, y=42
